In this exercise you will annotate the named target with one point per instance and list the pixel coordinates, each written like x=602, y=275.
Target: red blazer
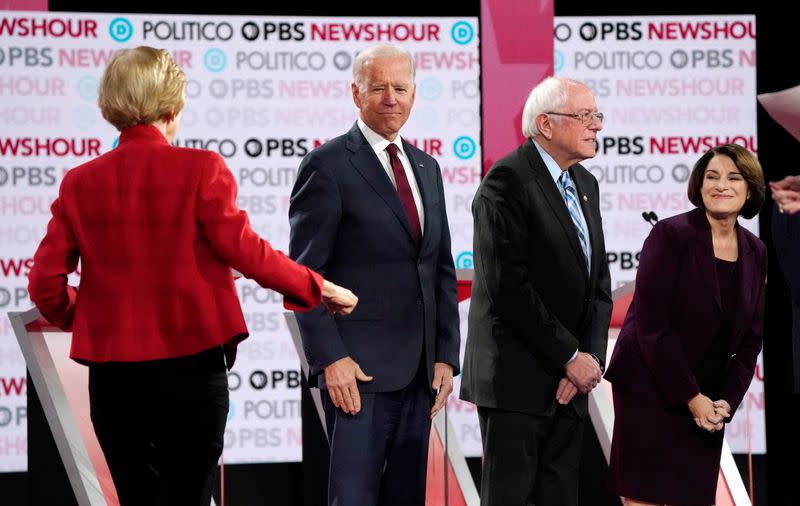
x=157, y=230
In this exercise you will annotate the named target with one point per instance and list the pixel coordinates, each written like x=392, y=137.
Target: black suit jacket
x=348, y=224
x=786, y=237
x=533, y=302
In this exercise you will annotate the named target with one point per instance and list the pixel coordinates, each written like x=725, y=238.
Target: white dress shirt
x=378, y=144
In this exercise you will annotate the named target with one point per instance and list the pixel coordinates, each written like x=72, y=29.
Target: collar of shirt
x=379, y=143
x=552, y=167
x=555, y=172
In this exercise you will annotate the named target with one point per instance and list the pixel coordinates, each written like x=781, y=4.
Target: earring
x=748, y=195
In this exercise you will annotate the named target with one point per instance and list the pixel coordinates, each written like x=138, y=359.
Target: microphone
x=650, y=217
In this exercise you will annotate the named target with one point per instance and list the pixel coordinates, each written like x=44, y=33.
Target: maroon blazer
x=676, y=313
x=157, y=230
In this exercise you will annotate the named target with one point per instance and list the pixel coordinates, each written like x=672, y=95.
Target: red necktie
x=404, y=191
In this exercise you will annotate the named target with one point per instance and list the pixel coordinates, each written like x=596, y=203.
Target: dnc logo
x=464, y=260
x=120, y=29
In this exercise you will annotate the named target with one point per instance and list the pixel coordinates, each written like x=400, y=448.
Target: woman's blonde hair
x=141, y=86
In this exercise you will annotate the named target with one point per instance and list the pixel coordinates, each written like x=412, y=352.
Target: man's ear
x=356, y=96
x=544, y=125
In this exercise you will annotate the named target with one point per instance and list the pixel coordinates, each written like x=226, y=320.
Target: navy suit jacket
x=348, y=224
x=676, y=312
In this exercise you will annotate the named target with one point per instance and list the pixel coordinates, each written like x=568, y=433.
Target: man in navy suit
x=368, y=211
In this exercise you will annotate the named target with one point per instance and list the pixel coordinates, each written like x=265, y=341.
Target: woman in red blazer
x=688, y=347
x=157, y=317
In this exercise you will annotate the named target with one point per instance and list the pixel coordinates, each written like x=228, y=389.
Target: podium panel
x=62, y=387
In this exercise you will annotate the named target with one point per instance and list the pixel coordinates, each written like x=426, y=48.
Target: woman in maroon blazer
x=687, y=351
x=157, y=317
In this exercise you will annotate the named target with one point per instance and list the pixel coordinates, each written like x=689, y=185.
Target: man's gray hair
x=547, y=96
x=378, y=51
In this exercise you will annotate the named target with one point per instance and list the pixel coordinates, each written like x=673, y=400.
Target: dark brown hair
x=748, y=166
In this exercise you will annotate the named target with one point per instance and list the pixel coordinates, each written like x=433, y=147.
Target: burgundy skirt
x=659, y=454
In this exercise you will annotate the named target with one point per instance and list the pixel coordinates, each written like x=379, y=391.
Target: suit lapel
x=367, y=164
x=555, y=201
x=582, y=184
x=704, y=255
x=747, y=285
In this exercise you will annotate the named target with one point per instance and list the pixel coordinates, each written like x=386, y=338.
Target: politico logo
x=272, y=409
x=186, y=30
x=225, y=147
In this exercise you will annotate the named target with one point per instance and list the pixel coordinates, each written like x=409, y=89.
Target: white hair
x=371, y=53
x=547, y=96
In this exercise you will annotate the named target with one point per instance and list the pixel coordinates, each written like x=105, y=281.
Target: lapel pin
x=585, y=198
x=422, y=165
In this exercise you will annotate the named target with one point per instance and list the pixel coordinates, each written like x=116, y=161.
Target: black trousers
x=530, y=460
x=161, y=426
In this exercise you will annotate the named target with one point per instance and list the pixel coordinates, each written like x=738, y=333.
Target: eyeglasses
x=587, y=117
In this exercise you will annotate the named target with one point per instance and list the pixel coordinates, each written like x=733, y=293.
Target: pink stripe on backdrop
x=23, y=5
x=435, y=493
x=516, y=54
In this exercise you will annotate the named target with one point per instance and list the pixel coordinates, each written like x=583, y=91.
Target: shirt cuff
x=574, y=356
